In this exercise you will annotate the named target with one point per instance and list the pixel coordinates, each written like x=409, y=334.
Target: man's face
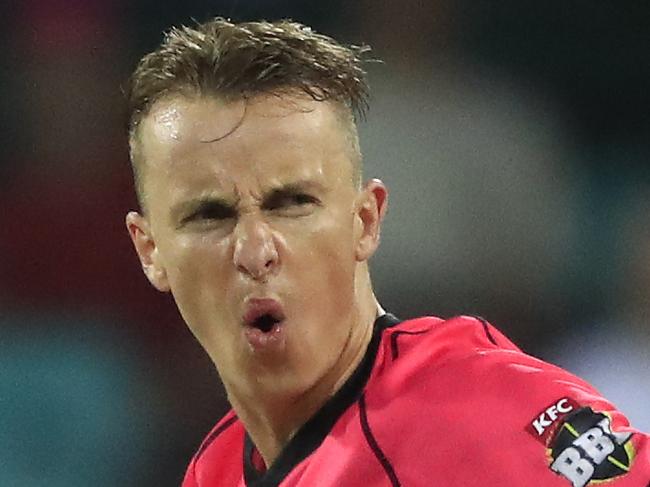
x=255, y=226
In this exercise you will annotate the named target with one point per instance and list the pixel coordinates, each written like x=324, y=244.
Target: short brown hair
x=240, y=60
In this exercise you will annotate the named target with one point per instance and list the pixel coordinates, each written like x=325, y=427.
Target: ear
x=145, y=246
x=371, y=208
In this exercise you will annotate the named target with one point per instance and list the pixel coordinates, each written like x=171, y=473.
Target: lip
x=256, y=307
x=270, y=342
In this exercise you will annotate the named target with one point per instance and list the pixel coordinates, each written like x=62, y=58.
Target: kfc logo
x=547, y=421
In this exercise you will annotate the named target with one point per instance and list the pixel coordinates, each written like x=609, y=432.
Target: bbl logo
x=586, y=449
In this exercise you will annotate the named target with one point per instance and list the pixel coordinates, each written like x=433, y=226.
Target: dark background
x=515, y=139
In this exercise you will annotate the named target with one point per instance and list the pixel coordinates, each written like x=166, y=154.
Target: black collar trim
x=313, y=432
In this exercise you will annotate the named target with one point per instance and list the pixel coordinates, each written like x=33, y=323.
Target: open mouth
x=263, y=314
x=266, y=322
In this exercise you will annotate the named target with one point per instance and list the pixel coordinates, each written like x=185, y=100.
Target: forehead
x=218, y=143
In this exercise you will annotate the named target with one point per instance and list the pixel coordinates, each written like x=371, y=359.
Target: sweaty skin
x=256, y=200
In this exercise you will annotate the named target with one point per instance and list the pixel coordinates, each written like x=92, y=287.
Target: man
x=253, y=215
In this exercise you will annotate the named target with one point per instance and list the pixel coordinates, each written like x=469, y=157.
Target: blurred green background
x=514, y=137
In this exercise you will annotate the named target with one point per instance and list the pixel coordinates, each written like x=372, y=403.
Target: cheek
x=324, y=292
x=196, y=272
x=324, y=261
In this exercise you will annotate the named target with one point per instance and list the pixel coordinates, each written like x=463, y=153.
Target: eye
x=210, y=212
x=288, y=200
x=301, y=199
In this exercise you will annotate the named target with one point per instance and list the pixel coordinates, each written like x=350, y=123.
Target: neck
x=271, y=421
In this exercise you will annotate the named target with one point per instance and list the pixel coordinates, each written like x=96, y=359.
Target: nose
x=255, y=253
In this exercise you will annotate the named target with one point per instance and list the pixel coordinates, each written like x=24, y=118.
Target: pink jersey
x=442, y=403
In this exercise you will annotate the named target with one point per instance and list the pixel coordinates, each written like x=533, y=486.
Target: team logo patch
x=585, y=449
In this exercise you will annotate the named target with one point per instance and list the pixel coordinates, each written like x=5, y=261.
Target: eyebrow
x=224, y=205
x=184, y=209
x=297, y=187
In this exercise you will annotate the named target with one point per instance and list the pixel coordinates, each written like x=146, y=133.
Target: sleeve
x=190, y=478
x=572, y=436
x=218, y=459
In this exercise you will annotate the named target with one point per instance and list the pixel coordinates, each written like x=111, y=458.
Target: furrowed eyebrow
x=186, y=209
x=291, y=189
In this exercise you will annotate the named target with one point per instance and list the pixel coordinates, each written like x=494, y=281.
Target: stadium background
x=514, y=136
